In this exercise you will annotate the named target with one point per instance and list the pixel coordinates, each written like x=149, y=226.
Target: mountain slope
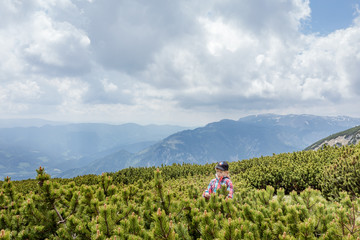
x=231, y=140
x=347, y=137
x=109, y=163
x=248, y=137
x=59, y=148
x=303, y=130
x=224, y=140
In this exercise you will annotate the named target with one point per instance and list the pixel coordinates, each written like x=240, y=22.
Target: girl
x=222, y=178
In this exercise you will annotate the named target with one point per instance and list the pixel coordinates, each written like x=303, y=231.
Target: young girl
x=222, y=178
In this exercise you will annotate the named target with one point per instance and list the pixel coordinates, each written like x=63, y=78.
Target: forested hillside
x=300, y=195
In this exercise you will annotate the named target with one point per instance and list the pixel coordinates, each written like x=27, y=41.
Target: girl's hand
x=207, y=195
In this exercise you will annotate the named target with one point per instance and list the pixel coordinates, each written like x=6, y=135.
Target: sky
x=187, y=63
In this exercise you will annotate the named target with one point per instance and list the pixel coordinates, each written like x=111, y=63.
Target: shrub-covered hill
x=300, y=195
x=347, y=137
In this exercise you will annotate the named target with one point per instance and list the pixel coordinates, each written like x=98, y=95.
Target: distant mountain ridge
x=62, y=147
x=230, y=140
x=27, y=122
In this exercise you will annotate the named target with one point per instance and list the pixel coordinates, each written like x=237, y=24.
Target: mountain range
x=69, y=150
x=62, y=147
x=230, y=140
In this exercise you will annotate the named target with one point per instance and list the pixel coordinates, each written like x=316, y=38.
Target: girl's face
x=220, y=173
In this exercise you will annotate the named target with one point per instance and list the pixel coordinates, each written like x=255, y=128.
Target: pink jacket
x=216, y=183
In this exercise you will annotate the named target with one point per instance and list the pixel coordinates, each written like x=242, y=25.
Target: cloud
x=88, y=58
x=126, y=34
x=276, y=17
x=331, y=61
x=42, y=44
x=247, y=65
x=105, y=91
x=56, y=47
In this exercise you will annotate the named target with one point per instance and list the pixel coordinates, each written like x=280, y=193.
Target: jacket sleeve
x=230, y=188
x=209, y=189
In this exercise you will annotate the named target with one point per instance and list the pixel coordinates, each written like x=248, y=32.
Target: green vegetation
x=301, y=195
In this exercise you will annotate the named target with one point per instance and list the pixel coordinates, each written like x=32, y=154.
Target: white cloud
x=331, y=60
x=222, y=37
x=23, y=91
x=97, y=58
x=34, y=41
x=56, y=44
x=109, y=86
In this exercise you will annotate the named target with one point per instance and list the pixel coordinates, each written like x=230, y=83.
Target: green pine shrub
x=302, y=195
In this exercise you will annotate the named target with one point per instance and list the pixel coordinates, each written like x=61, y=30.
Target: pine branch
x=106, y=221
x=125, y=216
x=181, y=210
x=59, y=215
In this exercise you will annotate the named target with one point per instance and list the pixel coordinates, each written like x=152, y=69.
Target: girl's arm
x=230, y=188
x=209, y=189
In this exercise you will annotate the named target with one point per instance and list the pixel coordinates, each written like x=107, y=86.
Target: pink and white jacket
x=216, y=183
